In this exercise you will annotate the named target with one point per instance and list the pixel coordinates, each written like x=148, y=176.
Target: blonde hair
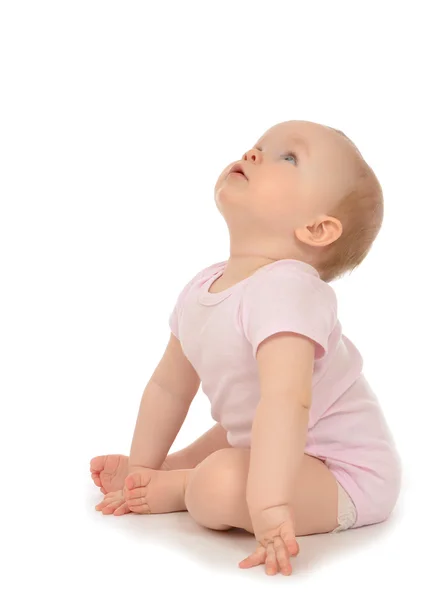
x=360, y=212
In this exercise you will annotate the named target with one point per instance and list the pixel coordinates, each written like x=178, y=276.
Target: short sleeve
x=292, y=301
x=174, y=316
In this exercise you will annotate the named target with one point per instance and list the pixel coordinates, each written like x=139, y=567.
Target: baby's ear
x=322, y=232
x=333, y=228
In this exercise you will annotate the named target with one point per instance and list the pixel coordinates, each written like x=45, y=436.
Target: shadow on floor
x=223, y=550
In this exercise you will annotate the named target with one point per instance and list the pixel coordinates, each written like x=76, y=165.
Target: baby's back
x=353, y=438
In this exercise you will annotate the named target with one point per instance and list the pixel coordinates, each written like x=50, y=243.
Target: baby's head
x=309, y=195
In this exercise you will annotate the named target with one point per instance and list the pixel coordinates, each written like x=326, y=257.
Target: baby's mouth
x=237, y=170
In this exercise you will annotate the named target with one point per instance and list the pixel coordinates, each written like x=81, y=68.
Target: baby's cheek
x=270, y=202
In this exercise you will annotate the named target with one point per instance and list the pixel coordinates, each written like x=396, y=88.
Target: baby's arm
x=163, y=408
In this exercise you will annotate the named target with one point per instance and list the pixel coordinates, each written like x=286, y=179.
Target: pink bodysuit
x=220, y=333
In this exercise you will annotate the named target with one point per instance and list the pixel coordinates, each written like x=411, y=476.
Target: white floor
x=57, y=546
x=387, y=559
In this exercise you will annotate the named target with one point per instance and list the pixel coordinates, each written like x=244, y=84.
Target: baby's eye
x=293, y=156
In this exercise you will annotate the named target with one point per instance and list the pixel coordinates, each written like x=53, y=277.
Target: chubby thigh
x=216, y=493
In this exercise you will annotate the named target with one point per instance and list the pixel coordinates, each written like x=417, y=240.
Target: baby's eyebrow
x=301, y=142
x=295, y=139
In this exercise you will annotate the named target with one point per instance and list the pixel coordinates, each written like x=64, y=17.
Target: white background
x=116, y=120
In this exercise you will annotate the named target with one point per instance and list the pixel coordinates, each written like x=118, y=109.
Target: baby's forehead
x=311, y=133
x=324, y=142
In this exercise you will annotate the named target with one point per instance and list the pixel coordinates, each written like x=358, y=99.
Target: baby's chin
x=229, y=193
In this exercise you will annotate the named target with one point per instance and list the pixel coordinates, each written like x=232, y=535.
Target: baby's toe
x=135, y=494
x=134, y=502
x=137, y=480
x=96, y=478
x=139, y=506
x=97, y=463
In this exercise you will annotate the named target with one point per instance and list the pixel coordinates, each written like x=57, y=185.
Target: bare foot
x=153, y=492
x=109, y=472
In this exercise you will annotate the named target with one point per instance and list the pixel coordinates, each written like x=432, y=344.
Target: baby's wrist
x=133, y=467
x=136, y=466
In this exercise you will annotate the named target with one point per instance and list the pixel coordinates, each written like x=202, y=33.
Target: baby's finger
x=282, y=554
x=255, y=559
x=292, y=546
x=107, y=500
x=104, y=502
x=271, y=560
x=122, y=510
x=111, y=507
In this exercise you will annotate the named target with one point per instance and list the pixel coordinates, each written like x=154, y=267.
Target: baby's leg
x=188, y=458
x=109, y=471
x=215, y=494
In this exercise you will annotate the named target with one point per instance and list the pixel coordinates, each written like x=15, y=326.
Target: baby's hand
x=114, y=503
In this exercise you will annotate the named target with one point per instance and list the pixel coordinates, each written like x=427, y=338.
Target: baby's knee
x=214, y=487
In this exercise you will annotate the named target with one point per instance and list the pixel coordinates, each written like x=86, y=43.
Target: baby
x=300, y=445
